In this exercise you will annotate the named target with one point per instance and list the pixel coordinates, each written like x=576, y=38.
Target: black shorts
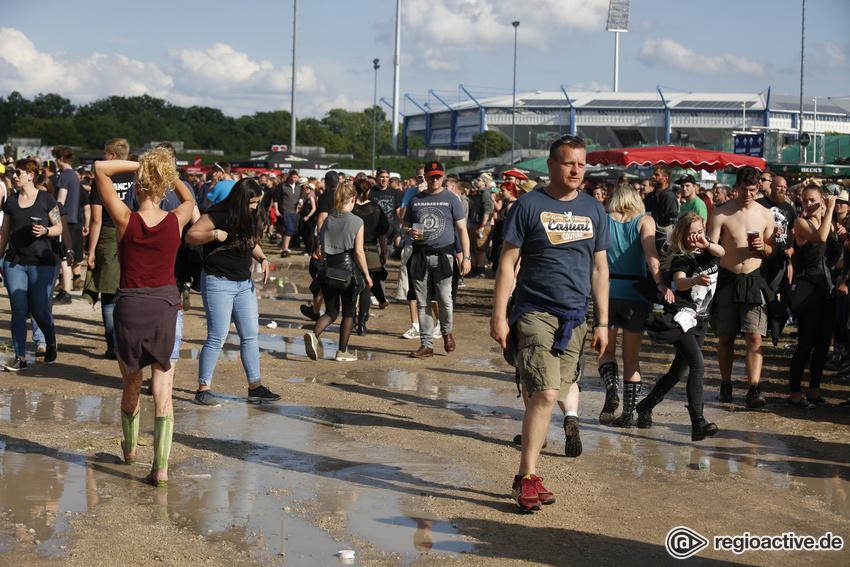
x=76, y=230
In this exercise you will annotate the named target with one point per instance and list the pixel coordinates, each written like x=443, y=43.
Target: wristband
x=658, y=284
x=264, y=260
x=600, y=325
x=215, y=235
x=467, y=257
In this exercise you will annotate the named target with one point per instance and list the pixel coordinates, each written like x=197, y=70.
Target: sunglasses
x=568, y=139
x=420, y=177
x=764, y=179
x=18, y=172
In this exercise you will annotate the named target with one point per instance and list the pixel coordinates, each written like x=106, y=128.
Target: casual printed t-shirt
x=69, y=181
x=784, y=216
x=698, y=264
x=439, y=213
x=389, y=200
x=696, y=205
x=123, y=183
x=557, y=240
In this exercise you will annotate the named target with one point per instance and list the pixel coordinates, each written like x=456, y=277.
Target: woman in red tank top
x=147, y=300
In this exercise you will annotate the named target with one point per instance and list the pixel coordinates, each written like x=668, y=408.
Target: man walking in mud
x=561, y=236
x=745, y=230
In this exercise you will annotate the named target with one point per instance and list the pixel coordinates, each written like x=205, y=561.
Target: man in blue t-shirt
x=430, y=220
x=561, y=234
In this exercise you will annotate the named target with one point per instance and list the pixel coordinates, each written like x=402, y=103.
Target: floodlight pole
x=513, y=108
x=802, y=155
x=294, y=57
x=396, y=73
x=375, y=111
x=616, y=61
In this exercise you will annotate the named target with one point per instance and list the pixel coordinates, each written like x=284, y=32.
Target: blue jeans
x=225, y=299
x=30, y=289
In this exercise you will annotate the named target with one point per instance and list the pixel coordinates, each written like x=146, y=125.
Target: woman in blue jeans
x=31, y=220
x=230, y=233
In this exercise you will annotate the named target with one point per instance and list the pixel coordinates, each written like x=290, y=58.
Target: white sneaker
x=310, y=345
x=373, y=301
x=345, y=356
x=411, y=333
x=437, y=333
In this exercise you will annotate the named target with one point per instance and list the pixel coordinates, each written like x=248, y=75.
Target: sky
x=237, y=56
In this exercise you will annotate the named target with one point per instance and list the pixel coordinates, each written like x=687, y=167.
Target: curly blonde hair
x=157, y=173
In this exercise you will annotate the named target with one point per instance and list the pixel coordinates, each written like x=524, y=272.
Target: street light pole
x=375, y=111
x=513, y=108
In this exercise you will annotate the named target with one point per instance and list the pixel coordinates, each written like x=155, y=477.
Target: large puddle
x=295, y=470
x=300, y=490
x=785, y=461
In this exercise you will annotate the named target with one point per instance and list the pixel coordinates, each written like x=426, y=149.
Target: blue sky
x=237, y=56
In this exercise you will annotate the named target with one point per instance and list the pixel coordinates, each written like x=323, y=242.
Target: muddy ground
x=768, y=472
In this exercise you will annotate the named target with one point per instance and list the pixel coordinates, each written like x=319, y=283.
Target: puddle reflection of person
x=147, y=300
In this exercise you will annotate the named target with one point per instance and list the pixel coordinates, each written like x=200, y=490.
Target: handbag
x=337, y=278
x=338, y=272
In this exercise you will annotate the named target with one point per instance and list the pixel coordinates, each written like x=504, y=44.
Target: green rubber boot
x=130, y=427
x=163, y=430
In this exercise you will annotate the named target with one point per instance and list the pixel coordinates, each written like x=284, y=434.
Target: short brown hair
x=63, y=153
x=566, y=140
x=664, y=169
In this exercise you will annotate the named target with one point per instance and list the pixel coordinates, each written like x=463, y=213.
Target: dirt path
x=426, y=446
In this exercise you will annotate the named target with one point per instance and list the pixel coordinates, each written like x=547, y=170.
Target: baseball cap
x=332, y=179
x=686, y=179
x=381, y=170
x=434, y=168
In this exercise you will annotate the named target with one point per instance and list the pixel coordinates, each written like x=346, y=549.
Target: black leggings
x=688, y=357
x=813, y=336
x=333, y=298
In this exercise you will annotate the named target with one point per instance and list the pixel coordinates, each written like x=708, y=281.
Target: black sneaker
x=62, y=298
x=572, y=448
x=518, y=441
x=110, y=354
x=307, y=311
x=50, y=354
x=17, y=364
x=754, y=398
x=262, y=394
x=206, y=398
x=726, y=392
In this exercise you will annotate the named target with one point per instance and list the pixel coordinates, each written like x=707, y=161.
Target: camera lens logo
x=683, y=542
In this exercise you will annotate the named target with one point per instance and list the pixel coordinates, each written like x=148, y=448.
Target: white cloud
x=25, y=69
x=445, y=29
x=670, y=54
x=835, y=56
x=216, y=76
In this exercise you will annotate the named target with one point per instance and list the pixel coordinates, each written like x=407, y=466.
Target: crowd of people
x=619, y=261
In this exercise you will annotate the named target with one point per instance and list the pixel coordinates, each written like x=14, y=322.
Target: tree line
x=141, y=119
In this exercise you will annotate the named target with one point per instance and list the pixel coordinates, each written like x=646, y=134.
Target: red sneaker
x=544, y=495
x=525, y=493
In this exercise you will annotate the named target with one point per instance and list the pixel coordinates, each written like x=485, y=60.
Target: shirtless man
x=745, y=230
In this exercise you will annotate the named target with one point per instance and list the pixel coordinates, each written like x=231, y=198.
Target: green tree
x=488, y=144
